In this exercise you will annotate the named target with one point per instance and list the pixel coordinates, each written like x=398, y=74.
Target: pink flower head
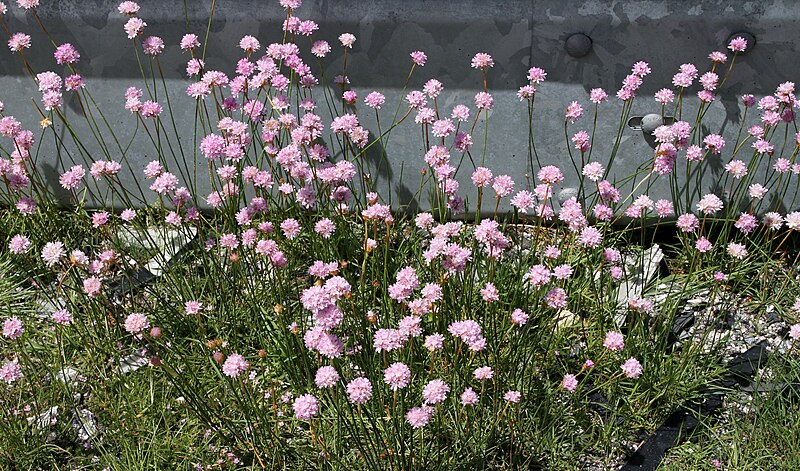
x=709, y=204
x=512, y=396
x=536, y=75
x=614, y=341
x=52, y=253
x=598, y=95
x=359, y=390
x=738, y=44
x=19, y=244
x=550, y=174
x=469, y=397
x=13, y=328
x=249, y=44
x=62, y=316
x=66, y=54
x=484, y=101
x=570, y=382
x=136, y=323
x=134, y=27
x=153, y=45
x=305, y=407
x=632, y=368
x=235, y=365
x=27, y=4
x=326, y=377
x=375, y=100
x=189, y=41
x=19, y=41
x=128, y=8
x=435, y=391
x=483, y=373
x=347, y=40
x=397, y=376
x=482, y=61
x=519, y=317
x=574, y=111
x=10, y=371
x=419, y=58
x=794, y=332
x=418, y=417
x=92, y=286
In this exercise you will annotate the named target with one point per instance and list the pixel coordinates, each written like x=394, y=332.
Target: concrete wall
x=519, y=34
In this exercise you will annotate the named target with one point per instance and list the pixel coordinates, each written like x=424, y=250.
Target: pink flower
x=325, y=227
x=738, y=44
x=550, y=174
x=10, y=371
x=397, y=376
x=489, y=293
x=469, y=397
x=556, y=298
x=153, y=45
x=590, y=237
x=632, y=368
x=714, y=143
x=570, y=382
x=703, y=245
x=249, y=44
x=581, y=141
x=128, y=8
x=192, y=307
x=13, y=328
x=347, y=40
x=574, y=112
x=320, y=48
x=482, y=61
x=598, y=95
x=134, y=27
x=418, y=417
x=665, y=96
x=66, y=54
x=27, y=4
x=481, y=177
x=359, y=390
x=375, y=100
x=19, y=244
x=709, y=204
x=306, y=407
x=19, y=41
x=435, y=391
x=688, y=222
x=737, y=250
x=484, y=101
x=290, y=228
x=92, y=286
x=483, y=373
x=512, y=396
x=519, y=317
x=614, y=341
x=62, y=316
x=189, y=41
x=326, y=377
x=235, y=365
x=150, y=109
x=52, y=253
x=794, y=332
x=136, y=323
x=434, y=342
x=419, y=58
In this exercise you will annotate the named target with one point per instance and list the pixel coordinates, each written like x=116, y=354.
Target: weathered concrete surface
x=518, y=34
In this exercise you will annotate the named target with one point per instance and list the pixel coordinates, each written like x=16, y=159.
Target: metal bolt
x=578, y=45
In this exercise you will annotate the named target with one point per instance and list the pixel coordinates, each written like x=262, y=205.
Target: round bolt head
x=578, y=45
x=650, y=122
